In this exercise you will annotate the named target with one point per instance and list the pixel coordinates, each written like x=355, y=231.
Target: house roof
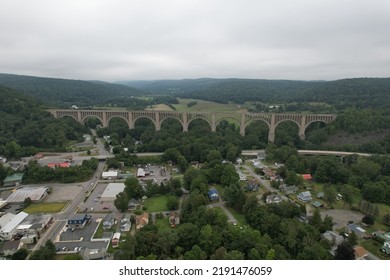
x=307, y=176
x=212, y=192
x=317, y=204
x=360, y=252
x=14, y=177
x=117, y=235
x=61, y=164
x=141, y=172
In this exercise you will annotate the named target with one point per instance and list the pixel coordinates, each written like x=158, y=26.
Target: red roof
x=306, y=176
x=63, y=164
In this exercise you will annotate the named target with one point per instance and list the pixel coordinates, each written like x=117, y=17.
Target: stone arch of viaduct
x=212, y=118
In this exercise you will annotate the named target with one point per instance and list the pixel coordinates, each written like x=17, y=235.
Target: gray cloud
x=146, y=39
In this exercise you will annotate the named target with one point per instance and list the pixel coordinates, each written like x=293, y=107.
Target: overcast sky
x=172, y=39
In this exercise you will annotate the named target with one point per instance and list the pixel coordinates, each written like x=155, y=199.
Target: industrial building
x=111, y=191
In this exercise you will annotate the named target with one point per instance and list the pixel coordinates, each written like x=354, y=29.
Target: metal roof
x=20, y=195
x=112, y=190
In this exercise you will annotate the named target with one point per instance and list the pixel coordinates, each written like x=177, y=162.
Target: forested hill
x=359, y=92
x=64, y=93
x=25, y=126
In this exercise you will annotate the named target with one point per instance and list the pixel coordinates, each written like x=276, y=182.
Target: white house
x=141, y=172
x=304, y=196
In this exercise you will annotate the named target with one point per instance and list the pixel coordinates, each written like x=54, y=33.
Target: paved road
x=264, y=183
x=60, y=219
x=221, y=205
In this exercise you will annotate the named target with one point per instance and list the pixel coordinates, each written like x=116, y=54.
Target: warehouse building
x=111, y=191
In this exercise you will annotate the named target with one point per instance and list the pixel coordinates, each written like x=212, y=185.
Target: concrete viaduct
x=212, y=118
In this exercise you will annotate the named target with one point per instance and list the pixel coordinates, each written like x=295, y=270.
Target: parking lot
x=69, y=239
x=95, y=204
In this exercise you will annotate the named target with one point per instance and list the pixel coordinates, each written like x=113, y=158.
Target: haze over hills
x=359, y=92
x=340, y=94
x=65, y=92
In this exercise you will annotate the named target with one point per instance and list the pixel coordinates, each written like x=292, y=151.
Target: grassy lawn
x=160, y=107
x=239, y=217
x=374, y=247
x=204, y=106
x=156, y=204
x=163, y=225
x=54, y=207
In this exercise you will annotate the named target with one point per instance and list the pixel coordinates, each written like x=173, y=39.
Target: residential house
x=317, y=204
x=360, y=253
x=306, y=177
x=108, y=222
x=13, y=180
x=141, y=172
x=288, y=189
x=386, y=247
x=3, y=159
x=273, y=198
x=358, y=230
x=174, y=219
x=304, y=196
x=334, y=238
x=133, y=204
x=252, y=186
x=115, y=239
x=213, y=194
x=142, y=220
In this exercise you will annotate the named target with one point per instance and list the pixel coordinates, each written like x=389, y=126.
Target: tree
x=369, y=220
x=172, y=203
x=20, y=254
x=133, y=188
x=386, y=219
x=352, y=239
x=195, y=253
x=229, y=175
x=344, y=251
x=46, y=252
x=182, y=163
x=121, y=202
x=330, y=194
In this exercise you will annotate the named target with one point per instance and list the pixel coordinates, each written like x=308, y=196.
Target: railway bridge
x=243, y=119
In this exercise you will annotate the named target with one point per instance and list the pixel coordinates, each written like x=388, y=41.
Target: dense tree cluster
x=26, y=127
x=36, y=173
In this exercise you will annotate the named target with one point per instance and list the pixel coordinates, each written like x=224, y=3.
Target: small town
x=89, y=220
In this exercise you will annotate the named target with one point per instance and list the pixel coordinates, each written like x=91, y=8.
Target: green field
x=54, y=207
x=204, y=106
x=163, y=224
x=156, y=204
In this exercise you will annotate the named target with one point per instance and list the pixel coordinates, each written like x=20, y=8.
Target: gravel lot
x=63, y=193
x=341, y=217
